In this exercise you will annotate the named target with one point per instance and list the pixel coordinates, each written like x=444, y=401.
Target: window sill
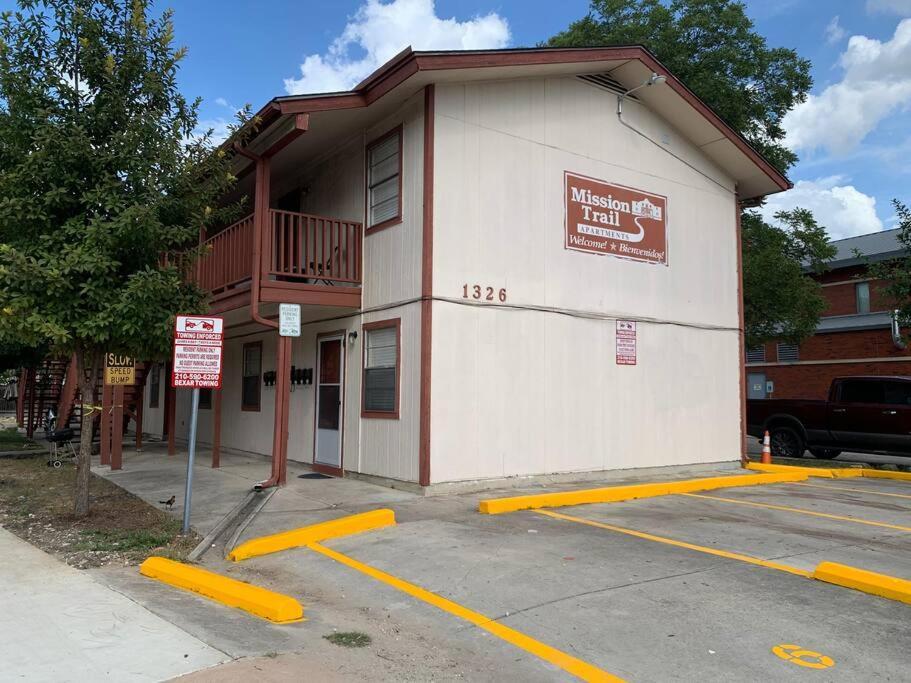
x=377, y=415
x=388, y=223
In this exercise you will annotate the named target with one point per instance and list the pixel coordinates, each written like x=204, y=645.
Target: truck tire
x=786, y=442
x=825, y=453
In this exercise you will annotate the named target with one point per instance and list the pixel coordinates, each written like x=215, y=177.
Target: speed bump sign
x=119, y=370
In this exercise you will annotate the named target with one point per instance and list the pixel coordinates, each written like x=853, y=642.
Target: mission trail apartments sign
x=603, y=218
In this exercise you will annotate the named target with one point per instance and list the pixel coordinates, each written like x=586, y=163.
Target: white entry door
x=330, y=371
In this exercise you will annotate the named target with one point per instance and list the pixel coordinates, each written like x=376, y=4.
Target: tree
x=780, y=301
x=712, y=47
x=102, y=184
x=896, y=273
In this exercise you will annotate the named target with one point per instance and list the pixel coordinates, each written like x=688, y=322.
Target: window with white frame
x=788, y=352
x=381, y=369
x=384, y=181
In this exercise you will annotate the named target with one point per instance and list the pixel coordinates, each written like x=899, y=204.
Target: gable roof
x=627, y=65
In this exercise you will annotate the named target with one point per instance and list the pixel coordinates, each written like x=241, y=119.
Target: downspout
x=260, y=216
x=897, y=333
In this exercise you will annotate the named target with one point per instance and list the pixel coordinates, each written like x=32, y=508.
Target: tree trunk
x=87, y=371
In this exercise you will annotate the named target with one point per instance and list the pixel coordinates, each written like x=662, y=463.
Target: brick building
x=854, y=335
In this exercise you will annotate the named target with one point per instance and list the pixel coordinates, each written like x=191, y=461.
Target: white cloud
x=378, y=31
x=219, y=125
x=834, y=31
x=902, y=7
x=841, y=208
x=876, y=82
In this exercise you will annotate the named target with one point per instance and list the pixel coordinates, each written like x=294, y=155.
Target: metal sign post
x=191, y=456
x=198, y=344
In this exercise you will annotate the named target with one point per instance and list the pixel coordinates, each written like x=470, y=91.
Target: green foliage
x=712, y=47
x=780, y=301
x=897, y=273
x=100, y=176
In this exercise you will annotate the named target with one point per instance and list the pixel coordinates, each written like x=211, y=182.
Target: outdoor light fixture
x=352, y=337
x=652, y=80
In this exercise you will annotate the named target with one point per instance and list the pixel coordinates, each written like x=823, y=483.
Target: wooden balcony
x=305, y=259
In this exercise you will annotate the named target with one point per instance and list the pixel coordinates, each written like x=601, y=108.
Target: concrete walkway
x=154, y=476
x=58, y=624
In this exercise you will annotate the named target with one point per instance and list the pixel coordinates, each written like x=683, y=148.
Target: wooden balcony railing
x=229, y=259
x=315, y=249
x=299, y=248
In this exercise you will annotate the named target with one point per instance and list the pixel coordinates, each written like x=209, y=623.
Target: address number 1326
x=483, y=293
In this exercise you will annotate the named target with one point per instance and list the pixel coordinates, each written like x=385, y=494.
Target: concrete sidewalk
x=154, y=476
x=59, y=624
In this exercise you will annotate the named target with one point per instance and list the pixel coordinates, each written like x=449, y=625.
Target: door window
x=861, y=391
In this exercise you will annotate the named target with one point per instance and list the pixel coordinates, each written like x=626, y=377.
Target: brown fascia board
x=408, y=62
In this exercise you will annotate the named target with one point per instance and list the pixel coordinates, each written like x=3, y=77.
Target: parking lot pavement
x=678, y=587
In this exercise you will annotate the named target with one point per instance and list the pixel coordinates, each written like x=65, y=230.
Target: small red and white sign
x=198, y=342
x=626, y=342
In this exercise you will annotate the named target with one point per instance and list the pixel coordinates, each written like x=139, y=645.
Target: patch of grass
x=124, y=540
x=349, y=639
x=36, y=502
x=12, y=440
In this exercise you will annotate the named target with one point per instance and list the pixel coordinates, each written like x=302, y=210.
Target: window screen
x=862, y=295
x=380, y=376
x=252, y=369
x=384, y=179
x=756, y=355
x=861, y=391
x=788, y=352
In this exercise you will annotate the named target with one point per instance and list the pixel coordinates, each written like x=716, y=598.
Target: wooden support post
x=20, y=398
x=216, y=428
x=107, y=403
x=117, y=429
x=140, y=400
x=30, y=403
x=282, y=401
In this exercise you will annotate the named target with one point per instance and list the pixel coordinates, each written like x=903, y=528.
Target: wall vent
x=756, y=355
x=788, y=352
x=606, y=82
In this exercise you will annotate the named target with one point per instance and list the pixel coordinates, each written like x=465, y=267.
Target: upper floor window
x=756, y=355
x=788, y=352
x=384, y=181
x=862, y=296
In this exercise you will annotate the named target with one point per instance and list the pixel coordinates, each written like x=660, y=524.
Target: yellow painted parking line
x=570, y=664
x=680, y=544
x=848, y=488
x=801, y=511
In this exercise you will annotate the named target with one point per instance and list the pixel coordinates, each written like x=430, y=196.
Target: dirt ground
x=36, y=503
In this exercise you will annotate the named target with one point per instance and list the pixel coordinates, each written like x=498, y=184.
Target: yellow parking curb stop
x=614, y=494
x=262, y=602
x=882, y=585
x=297, y=538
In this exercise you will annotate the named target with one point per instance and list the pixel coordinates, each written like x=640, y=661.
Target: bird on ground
x=169, y=503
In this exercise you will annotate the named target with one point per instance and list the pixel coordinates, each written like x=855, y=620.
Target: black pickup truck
x=865, y=414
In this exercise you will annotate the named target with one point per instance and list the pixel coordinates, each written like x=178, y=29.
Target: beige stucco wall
x=531, y=392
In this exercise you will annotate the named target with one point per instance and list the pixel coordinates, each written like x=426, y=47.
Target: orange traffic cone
x=766, y=449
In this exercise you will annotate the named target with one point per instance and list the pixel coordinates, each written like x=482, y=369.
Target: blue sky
x=853, y=136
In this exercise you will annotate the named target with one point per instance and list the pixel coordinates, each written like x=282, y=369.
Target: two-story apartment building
x=502, y=273
x=855, y=335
